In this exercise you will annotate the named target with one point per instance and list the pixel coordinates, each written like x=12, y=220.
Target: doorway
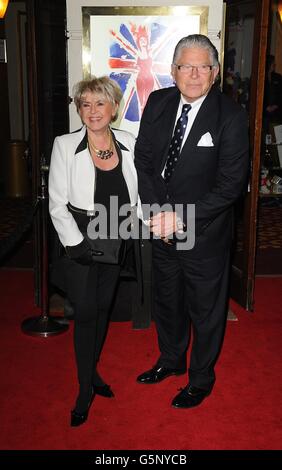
x=269, y=245
x=243, y=20
x=15, y=179
x=246, y=38
x=35, y=110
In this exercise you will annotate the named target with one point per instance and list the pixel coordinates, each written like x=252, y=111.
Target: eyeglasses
x=188, y=69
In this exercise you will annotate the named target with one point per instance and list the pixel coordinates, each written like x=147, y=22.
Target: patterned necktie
x=176, y=142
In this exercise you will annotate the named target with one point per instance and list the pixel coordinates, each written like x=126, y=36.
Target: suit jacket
x=72, y=179
x=211, y=177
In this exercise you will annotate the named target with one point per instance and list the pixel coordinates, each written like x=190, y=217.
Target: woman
x=89, y=167
x=145, y=79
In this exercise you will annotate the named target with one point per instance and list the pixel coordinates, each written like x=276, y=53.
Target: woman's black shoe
x=79, y=418
x=103, y=390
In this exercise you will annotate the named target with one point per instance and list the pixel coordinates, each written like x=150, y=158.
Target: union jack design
x=139, y=60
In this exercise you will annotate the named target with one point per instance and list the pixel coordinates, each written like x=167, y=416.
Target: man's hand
x=164, y=224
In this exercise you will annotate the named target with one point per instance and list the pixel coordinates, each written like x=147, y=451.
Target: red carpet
x=38, y=384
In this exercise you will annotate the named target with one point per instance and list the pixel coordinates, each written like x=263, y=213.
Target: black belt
x=89, y=213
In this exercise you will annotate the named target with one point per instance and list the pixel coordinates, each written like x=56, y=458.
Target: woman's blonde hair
x=102, y=85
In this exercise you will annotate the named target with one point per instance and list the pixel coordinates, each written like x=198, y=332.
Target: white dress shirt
x=195, y=107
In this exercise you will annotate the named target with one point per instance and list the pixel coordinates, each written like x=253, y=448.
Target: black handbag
x=113, y=249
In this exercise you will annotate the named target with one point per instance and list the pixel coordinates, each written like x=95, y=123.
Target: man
x=191, y=286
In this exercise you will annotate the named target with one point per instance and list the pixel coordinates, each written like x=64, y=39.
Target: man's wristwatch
x=181, y=227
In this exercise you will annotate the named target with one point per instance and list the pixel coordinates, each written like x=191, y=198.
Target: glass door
x=243, y=79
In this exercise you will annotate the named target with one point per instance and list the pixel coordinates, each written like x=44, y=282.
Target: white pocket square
x=205, y=141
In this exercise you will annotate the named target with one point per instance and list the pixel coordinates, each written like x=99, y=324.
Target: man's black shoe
x=157, y=374
x=190, y=396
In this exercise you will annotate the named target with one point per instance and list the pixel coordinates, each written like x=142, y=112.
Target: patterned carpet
x=269, y=238
x=16, y=216
x=269, y=252
x=269, y=234
x=270, y=228
x=12, y=214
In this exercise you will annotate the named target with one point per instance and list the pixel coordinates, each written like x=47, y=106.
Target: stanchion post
x=43, y=325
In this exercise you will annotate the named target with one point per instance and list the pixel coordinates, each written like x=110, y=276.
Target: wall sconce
x=3, y=7
x=279, y=8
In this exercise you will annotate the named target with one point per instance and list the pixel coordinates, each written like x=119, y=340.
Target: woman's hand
x=83, y=253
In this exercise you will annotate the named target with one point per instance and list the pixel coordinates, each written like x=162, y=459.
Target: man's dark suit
x=192, y=285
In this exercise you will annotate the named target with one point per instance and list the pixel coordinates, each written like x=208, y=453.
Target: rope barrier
x=43, y=325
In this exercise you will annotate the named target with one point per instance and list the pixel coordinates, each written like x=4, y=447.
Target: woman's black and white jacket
x=72, y=179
